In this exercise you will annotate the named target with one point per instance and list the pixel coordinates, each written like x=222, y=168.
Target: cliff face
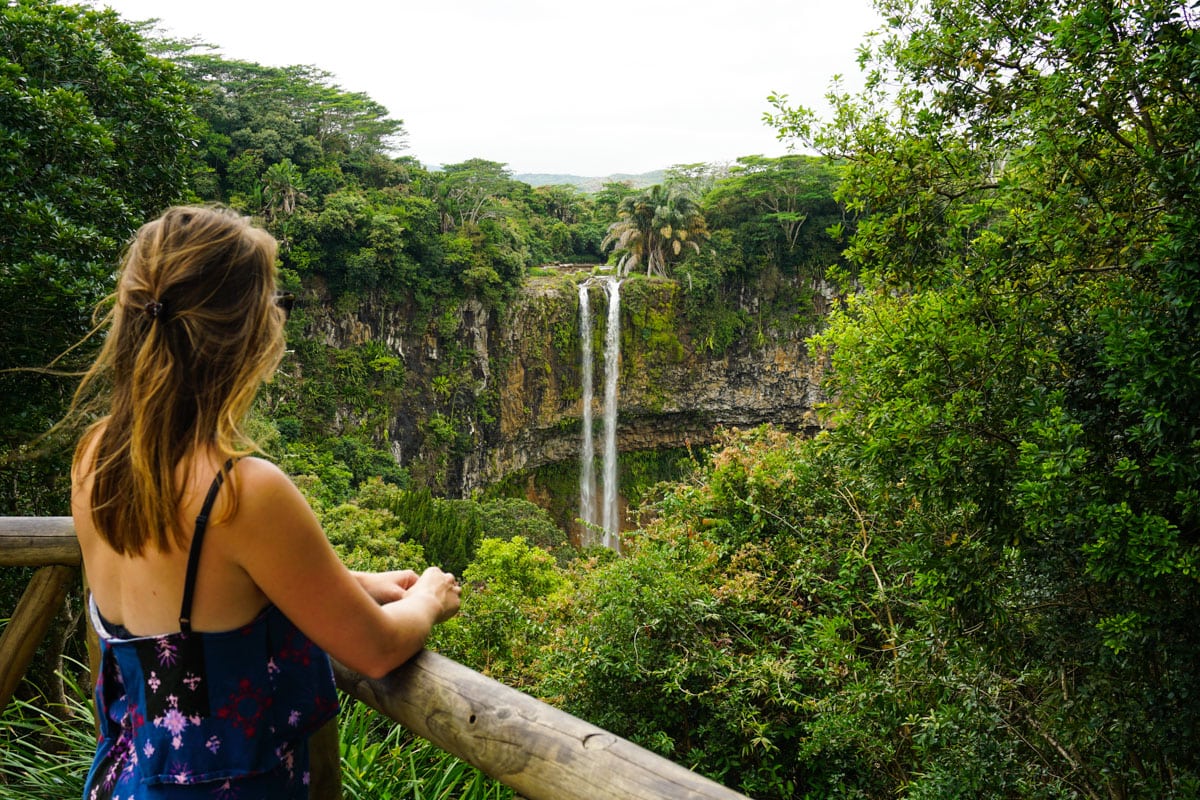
x=507, y=382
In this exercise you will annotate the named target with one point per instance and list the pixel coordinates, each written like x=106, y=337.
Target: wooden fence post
x=43, y=597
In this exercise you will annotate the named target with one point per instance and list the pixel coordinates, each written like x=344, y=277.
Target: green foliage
x=654, y=228
x=776, y=628
x=778, y=212
x=650, y=325
x=371, y=539
x=324, y=480
x=379, y=759
x=501, y=625
x=513, y=517
x=555, y=486
x=1020, y=369
x=710, y=293
x=642, y=473
x=46, y=751
x=556, y=489
x=94, y=136
x=514, y=567
x=447, y=530
x=775, y=231
x=471, y=191
x=703, y=644
x=312, y=160
x=260, y=119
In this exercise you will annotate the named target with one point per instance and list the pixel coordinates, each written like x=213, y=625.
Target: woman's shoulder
x=264, y=489
x=255, y=470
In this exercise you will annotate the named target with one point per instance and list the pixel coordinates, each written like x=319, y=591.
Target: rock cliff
x=492, y=391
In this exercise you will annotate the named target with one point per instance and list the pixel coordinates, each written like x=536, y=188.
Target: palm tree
x=679, y=223
x=633, y=233
x=280, y=192
x=653, y=228
x=281, y=189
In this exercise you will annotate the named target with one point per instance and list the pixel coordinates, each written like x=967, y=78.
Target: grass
x=45, y=751
x=382, y=760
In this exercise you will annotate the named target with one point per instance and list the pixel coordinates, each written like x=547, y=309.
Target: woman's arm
x=286, y=554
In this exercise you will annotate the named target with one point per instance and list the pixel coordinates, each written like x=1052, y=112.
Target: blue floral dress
x=208, y=715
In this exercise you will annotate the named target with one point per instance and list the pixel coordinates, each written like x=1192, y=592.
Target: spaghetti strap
x=189, y=583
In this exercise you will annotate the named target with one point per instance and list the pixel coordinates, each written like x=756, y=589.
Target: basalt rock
x=508, y=379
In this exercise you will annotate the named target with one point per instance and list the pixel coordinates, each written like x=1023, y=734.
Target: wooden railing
x=536, y=749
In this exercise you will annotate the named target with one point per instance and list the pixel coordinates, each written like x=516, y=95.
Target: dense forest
x=979, y=580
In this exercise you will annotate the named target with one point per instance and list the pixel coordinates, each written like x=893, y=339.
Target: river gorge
x=517, y=394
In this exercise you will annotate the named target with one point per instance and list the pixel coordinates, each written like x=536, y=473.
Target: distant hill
x=589, y=185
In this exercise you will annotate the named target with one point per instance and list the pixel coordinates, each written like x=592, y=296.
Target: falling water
x=612, y=357
x=587, y=467
x=610, y=521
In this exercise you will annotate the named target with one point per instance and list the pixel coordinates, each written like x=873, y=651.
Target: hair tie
x=153, y=309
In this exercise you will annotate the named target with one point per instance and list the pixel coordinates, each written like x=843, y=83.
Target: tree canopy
x=1017, y=380
x=95, y=138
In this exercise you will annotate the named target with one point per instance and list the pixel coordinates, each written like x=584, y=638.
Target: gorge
x=517, y=387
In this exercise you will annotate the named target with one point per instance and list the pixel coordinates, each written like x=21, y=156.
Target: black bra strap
x=189, y=583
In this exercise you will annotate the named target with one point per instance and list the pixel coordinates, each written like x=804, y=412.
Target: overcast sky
x=551, y=86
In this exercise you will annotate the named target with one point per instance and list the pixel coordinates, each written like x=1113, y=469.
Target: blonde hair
x=193, y=332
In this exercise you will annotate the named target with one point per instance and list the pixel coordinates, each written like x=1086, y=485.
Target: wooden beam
x=42, y=598
x=38, y=541
x=542, y=752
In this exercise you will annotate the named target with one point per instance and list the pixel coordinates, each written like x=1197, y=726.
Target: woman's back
x=143, y=593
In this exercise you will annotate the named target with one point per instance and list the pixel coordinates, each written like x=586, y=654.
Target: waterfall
x=609, y=512
x=612, y=357
x=587, y=457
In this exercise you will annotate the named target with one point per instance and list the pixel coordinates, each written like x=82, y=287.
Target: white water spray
x=587, y=457
x=609, y=512
x=612, y=357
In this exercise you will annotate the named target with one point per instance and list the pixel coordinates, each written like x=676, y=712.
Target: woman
x=214, y=591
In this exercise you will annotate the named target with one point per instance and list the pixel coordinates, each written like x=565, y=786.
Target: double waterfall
x=609, y=524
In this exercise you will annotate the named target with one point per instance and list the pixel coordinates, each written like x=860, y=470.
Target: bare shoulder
x=268, y=500
x=262, y=483
x=262, y=475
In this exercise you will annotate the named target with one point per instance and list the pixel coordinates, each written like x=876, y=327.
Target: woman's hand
x=387, y=587
x=442, y=587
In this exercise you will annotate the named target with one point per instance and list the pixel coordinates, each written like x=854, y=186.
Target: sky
x=582, y=87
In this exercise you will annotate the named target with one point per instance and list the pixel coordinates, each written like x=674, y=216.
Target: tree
x=1021, y=368
x=470, y=191
x=695, y=180
x=563, y=202
x=257, y=116
x=281, y=189
x=653, y=228
x=96, y=138
x=781, y=209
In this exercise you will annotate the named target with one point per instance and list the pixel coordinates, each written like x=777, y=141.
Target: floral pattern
x=209, y=715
